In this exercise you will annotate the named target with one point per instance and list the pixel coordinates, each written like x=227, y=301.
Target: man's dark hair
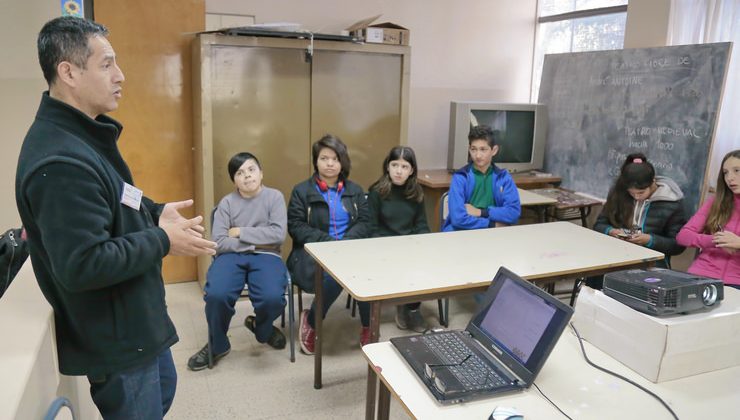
x=481, y=132
x=238, y=160
x=66, y=39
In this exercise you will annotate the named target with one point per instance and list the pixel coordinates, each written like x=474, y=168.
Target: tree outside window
x=575, y=26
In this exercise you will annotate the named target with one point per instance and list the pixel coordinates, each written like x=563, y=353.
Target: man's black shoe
x=276, y=340
x=199, y=360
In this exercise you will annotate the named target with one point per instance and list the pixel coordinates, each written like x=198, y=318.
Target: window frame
x=577, y=14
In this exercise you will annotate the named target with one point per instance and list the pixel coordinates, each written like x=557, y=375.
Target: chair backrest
x=213, y=215
x=443, y=209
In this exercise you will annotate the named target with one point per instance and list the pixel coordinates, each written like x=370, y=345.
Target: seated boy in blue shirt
x=481, y=195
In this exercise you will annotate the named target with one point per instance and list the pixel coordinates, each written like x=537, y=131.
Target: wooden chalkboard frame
x=603, y=105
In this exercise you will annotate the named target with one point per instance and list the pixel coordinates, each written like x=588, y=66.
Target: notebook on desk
x=503, y=348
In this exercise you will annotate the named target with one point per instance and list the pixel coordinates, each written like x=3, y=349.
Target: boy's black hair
x=481, y=132
x=238, y=160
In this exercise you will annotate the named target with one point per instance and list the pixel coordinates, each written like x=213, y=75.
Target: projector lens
x=709, y=295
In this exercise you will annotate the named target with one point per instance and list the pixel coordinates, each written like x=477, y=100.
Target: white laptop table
x=580, y=390
x=410, y=268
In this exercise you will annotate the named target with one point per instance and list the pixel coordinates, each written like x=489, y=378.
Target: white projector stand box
x=666, y=348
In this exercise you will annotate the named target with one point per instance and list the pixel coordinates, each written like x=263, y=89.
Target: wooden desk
x=569, y=200
x=440, y=179
x=539, y=203
x=528, y=199
x=405, y=269
x=436, y=181
x=580, y=390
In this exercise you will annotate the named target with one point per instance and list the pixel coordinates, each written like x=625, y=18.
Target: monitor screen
x=519, y=130
x=513, y=133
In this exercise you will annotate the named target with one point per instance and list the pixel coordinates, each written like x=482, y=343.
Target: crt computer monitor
x=519, y=130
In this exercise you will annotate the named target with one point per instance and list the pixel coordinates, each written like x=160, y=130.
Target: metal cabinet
x=271, y=97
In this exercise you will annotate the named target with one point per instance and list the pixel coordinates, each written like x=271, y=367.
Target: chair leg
x=576, y=287
x=447, y=312
x=291, y=319
x=441, y=310
x=354, y=307
x=288, y=291
x=444, y=312
x=300, y=301
x=349, y=300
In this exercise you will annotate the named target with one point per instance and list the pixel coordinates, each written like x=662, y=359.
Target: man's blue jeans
x=144, y=392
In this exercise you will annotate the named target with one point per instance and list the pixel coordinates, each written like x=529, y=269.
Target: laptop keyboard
x=473, y=373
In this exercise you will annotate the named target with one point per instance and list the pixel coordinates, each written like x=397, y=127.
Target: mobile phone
x=624, y=235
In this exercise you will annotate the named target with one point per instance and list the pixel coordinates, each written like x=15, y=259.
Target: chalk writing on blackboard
x=604, y=105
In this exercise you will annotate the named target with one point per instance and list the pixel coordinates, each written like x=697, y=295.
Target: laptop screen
x=521, y=320
x=517, y=320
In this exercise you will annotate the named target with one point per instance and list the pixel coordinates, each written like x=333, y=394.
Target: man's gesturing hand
x=186, y=235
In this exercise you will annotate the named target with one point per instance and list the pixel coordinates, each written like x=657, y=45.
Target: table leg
x=319, y=320
x=371, y=384
x=436, y=218
x=371, y=377
x=431, y=207
x=583, y=217
x=374, y=321
x=541, y=213
x=384, y=401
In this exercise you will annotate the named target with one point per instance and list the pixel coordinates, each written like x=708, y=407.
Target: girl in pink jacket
x=714, y=229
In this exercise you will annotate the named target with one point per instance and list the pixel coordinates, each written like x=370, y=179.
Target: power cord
x=583, y=350
x=550, y=401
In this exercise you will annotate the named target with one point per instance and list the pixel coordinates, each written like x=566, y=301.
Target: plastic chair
x=56, y=406
x=291, y=314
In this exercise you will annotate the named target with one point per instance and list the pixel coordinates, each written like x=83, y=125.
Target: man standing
x=96, y=242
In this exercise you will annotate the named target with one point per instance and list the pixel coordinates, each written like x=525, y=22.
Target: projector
x=659, y=291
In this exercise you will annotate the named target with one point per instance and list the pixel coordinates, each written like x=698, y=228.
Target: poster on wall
x=72, y=8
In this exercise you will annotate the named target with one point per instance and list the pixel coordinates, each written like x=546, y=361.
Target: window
x=574, y=26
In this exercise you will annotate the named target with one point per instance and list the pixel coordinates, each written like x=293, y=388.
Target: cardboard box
x=379, y=33
x=662, y=349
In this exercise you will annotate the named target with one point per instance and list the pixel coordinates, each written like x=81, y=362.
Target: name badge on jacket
x=131, y=196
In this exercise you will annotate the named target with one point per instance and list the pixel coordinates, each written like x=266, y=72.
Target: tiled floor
x=256, y=382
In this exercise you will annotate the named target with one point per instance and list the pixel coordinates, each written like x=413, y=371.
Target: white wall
x=21, y=84
x=460, y=50
x=647, y=23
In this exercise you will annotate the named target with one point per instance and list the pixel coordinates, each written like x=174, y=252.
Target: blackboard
x=604, y=105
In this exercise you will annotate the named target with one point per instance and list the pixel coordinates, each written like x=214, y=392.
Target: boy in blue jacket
x=481, y=195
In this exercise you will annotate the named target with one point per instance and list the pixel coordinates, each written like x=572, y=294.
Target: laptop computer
x=503, y=348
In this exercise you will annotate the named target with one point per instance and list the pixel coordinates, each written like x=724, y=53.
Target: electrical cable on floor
x=583, y=350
